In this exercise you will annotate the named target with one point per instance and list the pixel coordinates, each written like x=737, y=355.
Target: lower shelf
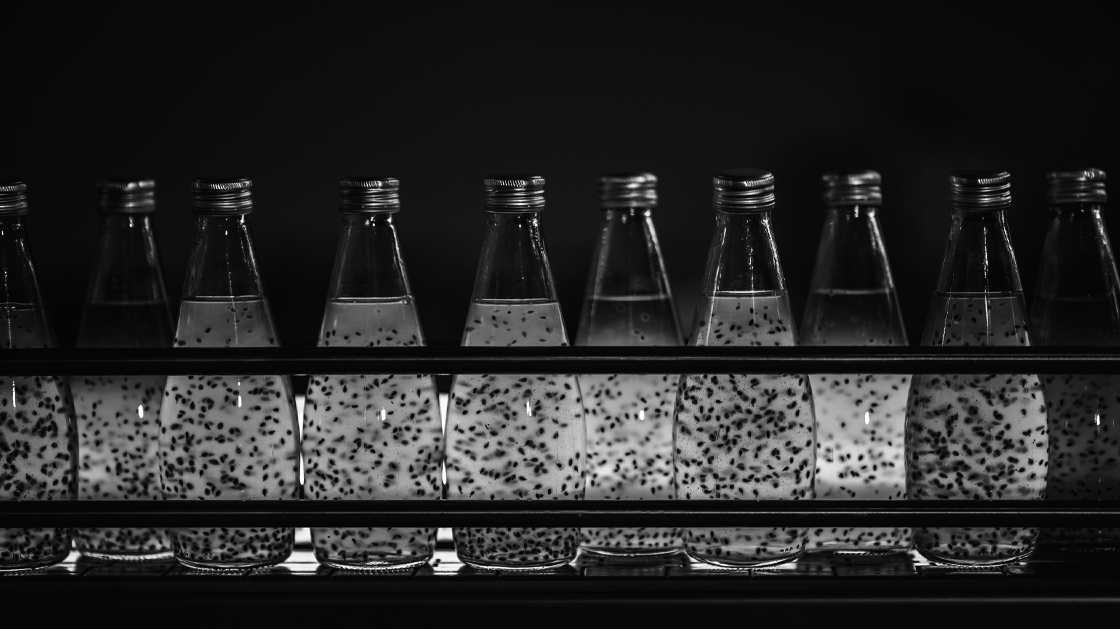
x=815, y=587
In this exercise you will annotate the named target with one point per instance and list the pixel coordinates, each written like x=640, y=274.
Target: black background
x=296, y=100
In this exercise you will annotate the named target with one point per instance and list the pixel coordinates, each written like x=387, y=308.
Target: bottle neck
x=368, y=264
x=978, y=256
x=1077, y=260
x=514, y=264
x=743, y=256
x=18, y=284
x=23, y=320
x=851, y=255
x=127, y=269
x=222, y=263
x=628, y=260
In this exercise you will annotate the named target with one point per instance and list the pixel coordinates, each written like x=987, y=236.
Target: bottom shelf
x=814, y=589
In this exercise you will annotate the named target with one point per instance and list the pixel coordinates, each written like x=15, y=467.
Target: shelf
x=545, y=360
x=554, y=513
x=815, y=586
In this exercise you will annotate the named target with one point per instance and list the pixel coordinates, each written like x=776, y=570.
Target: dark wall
x=295, y=101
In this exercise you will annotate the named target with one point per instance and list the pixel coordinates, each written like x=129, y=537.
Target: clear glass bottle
x=514, y=437
x=118, y=416
x=860, y=417
x=1077, y=303
x=227, y=437
x=976, y=437
x=372, y=437
x=38, y=436
x=629, y=416
x=744, y=436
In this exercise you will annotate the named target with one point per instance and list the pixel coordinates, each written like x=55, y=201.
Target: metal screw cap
x=628, y=190
x=514, y=193
x=222, y=196
x=857, y=187
x=360, y=195
x=1076, y=186
x=13, y=198
x=980, y=189
x=743, y=190
x=126, y=196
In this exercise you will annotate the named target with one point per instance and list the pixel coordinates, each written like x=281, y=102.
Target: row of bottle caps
x=737, y=189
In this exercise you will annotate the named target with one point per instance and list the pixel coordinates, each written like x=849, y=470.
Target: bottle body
x=860, y=417
x=629, y=417
x=372, y=437
x=38, y=435
x=118, y=416
x=744, y=436
x=515, y=437
x=977, y=437
x=1076, y=305
x=227, y=437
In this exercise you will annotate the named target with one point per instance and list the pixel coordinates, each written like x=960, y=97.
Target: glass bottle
x=227, y=437
x=515, y=437
x=629, y=416
x=1077, y=303
x=860, y=417
x=976, y=437
x=38, y=438
x=118, y=416
x=744, y=436
x=372, y=437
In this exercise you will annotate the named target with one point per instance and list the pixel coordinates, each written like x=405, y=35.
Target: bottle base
x=140, y=557
x=747, y=564
x=856, y=553
x=630, y=555
x=231, y=566
x=378, y=567
x=974, y=562
x=17, y=567
x=536, y=567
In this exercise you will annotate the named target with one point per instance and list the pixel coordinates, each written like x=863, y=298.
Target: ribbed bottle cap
x=369, y=194
x=13, y=198
x=222, y=196
x=628, y=190
x=743, y=190
x=514, y=193
x=126, y=196
x=858, y=187
x=980, y=189
x=1076, y=186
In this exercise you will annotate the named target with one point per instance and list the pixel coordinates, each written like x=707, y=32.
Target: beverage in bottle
x=629, y=416
x=744, y=436
x=118, y=416
x=227, y=437
x=1076, y=305
x=976, y=437
x=372, y=437
x=860, y=417
x=38, y=438
x=515, y=437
